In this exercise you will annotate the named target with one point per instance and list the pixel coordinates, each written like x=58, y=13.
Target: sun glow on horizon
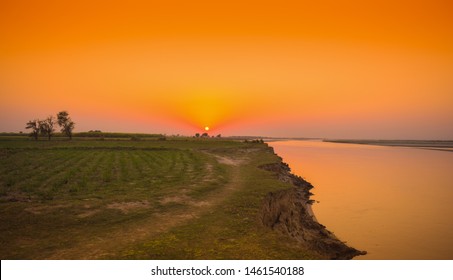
x=206, y=108
x=356, y=70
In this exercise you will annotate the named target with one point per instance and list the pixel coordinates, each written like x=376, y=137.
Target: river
x=393, y=202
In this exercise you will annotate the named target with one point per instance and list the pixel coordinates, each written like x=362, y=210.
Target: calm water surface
x=394, y=202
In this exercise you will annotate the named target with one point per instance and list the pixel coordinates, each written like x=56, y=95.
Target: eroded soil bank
x=289, y=211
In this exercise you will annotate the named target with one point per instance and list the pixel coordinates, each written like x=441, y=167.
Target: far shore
x=438, y=145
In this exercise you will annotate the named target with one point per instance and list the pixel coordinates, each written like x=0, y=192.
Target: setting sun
x=206, y=128
x=330, y=69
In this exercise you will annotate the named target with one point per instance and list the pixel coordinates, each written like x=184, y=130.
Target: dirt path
x=107, y=245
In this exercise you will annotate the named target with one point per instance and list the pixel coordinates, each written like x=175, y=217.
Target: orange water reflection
x=394, y=202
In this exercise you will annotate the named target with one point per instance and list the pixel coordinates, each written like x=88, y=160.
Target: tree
x=197, y=135
x=66, y=124
x=46, y=126
x=34, y=126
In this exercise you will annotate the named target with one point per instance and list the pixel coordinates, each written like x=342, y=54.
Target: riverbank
x=441, y=145
x=174, y=198
x=289, y=212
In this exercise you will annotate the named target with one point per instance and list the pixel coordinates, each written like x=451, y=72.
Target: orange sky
x=357, y=69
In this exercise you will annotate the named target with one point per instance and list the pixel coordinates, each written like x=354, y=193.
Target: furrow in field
x=60, y=176
x=138, y=165
x=116, y=172
x=133, y=169
x=94, y=174
x=36, y=182
x=30, y=164
x=107, y=169
x=148, y=161
x=85, y=171
x=156, y=223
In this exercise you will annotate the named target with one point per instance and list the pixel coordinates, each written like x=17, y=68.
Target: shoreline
x=289, y=212
x=427, y=144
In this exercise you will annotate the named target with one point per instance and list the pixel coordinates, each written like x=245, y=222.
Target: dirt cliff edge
x=289, y=211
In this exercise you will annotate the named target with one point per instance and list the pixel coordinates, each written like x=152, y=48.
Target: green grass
x=151, y=199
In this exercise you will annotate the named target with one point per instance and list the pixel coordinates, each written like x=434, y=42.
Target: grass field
x=181, y=198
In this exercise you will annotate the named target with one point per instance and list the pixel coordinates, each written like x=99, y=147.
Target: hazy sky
x=337, y=69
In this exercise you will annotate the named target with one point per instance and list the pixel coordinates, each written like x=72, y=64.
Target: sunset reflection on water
x=393, y=202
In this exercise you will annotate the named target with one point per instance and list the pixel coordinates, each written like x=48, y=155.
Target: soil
x=288, y=211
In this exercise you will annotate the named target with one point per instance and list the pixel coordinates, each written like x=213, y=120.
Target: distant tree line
x=206, y=135
x=46, y=127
